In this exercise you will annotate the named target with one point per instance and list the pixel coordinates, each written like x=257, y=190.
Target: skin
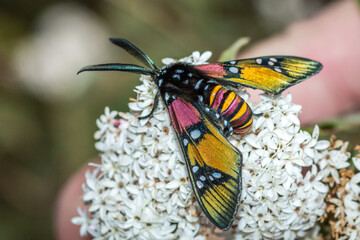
x=331, y=37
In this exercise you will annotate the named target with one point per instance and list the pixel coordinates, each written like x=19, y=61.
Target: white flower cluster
x=352, y=208
x=283, y=195
x=344, y=203
x=141, y=189
x=352, y=204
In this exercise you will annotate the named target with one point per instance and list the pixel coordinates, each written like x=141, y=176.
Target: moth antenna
x=117, y=67
x=134, y=51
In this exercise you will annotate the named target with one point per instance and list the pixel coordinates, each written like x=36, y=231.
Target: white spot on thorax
x=233, y=69
x=197, y=86
x=167, y=97
x=212, y=81
x=200, y=98
x=195, y=134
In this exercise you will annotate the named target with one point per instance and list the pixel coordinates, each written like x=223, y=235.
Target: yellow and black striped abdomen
x=232, y=107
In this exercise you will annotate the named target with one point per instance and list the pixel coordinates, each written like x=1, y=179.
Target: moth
x=204, y=111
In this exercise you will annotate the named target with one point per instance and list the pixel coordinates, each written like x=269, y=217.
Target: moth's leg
x=155, y=105
x=228, y=130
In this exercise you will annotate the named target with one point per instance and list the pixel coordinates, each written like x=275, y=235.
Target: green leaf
x=231, y=52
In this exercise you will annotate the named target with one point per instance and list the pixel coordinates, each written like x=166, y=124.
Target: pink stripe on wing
x=185, y=114
x=213, y=70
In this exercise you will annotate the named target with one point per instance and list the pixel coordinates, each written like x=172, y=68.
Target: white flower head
x=343, y=202
x=141, y=190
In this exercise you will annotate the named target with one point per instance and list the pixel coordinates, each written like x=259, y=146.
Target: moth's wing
x=272, y=74
x=213, y=164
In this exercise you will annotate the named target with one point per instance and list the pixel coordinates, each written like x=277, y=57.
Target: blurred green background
x=48, y=113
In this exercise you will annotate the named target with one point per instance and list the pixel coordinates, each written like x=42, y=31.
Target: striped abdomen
x=232, y=107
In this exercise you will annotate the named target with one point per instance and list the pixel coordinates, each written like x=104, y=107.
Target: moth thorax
x=182, y=76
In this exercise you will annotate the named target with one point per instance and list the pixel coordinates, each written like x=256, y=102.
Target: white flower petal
x=356, y=161
x=322, y=145
x=319, y=186
x=355, y=183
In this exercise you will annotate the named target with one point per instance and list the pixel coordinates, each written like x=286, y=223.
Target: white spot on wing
x=271, y=63
x=233, y=69
x=258, y=60
x=179, y=71
x=273, y=59
x=277, y=69
x=216, y=175
x=199, y=184
x=176, y=76
x=232, y=62
x=202, y=178
x=160, y=82
x=195, y=169
x=195, y=134
x=186, y=142
x=200, y=98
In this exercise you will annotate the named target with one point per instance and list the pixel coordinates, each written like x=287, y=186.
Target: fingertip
x=69, y=199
